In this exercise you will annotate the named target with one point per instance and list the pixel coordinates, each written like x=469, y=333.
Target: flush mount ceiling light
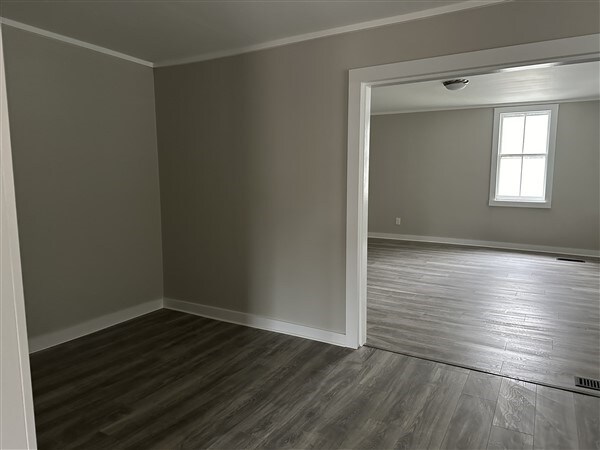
x=456, y=85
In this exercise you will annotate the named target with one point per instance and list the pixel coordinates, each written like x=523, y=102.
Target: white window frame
x=524, y=202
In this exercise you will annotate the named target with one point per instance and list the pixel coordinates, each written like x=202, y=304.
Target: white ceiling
x=548, y=84
x=169, y=30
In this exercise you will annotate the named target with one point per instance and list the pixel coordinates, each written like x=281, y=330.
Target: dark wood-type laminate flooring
x=523, y=315
x=173, y=380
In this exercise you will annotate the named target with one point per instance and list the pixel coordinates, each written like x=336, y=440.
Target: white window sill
x=520, y=203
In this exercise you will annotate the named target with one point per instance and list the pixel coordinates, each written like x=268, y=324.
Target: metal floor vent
x=570, y=260
x=588, y=383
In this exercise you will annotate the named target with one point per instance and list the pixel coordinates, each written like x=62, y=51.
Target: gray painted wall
x=86, y=178
x=252, y=152
x=432, y=169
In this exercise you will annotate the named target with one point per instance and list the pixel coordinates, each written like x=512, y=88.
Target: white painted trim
x=468, y=4
x=48, y=340
x=455, y=7
x=359, y=107
x=14, y=343
x=489, y=244
x=494, y=105
x=255, y=321
x=360, y=82
x=546, y=201
x=72, y=41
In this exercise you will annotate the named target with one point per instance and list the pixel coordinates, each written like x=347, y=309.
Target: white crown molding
x=468, y=4
x=255, y=321
x=72, y=41
x=489, y=244
x=53, y=338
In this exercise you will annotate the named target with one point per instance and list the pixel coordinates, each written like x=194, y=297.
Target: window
x=523, y=156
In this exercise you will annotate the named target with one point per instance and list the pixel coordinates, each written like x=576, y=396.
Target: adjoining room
x=483, y=222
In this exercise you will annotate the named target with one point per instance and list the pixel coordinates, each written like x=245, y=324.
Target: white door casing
x=17, y=428
x=569, y=50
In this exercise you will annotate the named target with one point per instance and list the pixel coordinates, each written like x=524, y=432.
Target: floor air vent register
x=588, y=383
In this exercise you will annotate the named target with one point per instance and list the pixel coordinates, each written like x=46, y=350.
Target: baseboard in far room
x=53, y=338
x=488, y=244
x=255, y=321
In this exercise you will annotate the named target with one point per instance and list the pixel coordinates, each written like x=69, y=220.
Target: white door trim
x=359, y=93
x=17, y=426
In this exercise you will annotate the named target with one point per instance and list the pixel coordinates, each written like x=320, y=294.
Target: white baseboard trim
x=48, y=340
x=488, y=244
x=254, y=321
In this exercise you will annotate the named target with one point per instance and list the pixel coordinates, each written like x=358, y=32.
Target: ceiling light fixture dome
x=456, y=85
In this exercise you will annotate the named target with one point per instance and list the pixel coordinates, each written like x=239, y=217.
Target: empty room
x=300, y=224
x=483, y=222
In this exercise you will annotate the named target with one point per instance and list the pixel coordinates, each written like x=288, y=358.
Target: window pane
x=512, y=127
x=534, y=168
x=536, y=133
x=509, y=176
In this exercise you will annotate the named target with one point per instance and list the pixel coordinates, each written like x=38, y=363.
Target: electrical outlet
x=398, y=221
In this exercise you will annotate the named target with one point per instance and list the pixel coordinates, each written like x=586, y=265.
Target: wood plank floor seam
x=494, y=415
x=475, y=369
x=534, y=416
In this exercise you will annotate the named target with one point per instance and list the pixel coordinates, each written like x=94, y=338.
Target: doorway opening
x=451, y=248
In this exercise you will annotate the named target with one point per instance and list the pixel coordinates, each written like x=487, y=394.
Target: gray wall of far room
x=432, y=169
x=86, y=179
x=252, y=153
